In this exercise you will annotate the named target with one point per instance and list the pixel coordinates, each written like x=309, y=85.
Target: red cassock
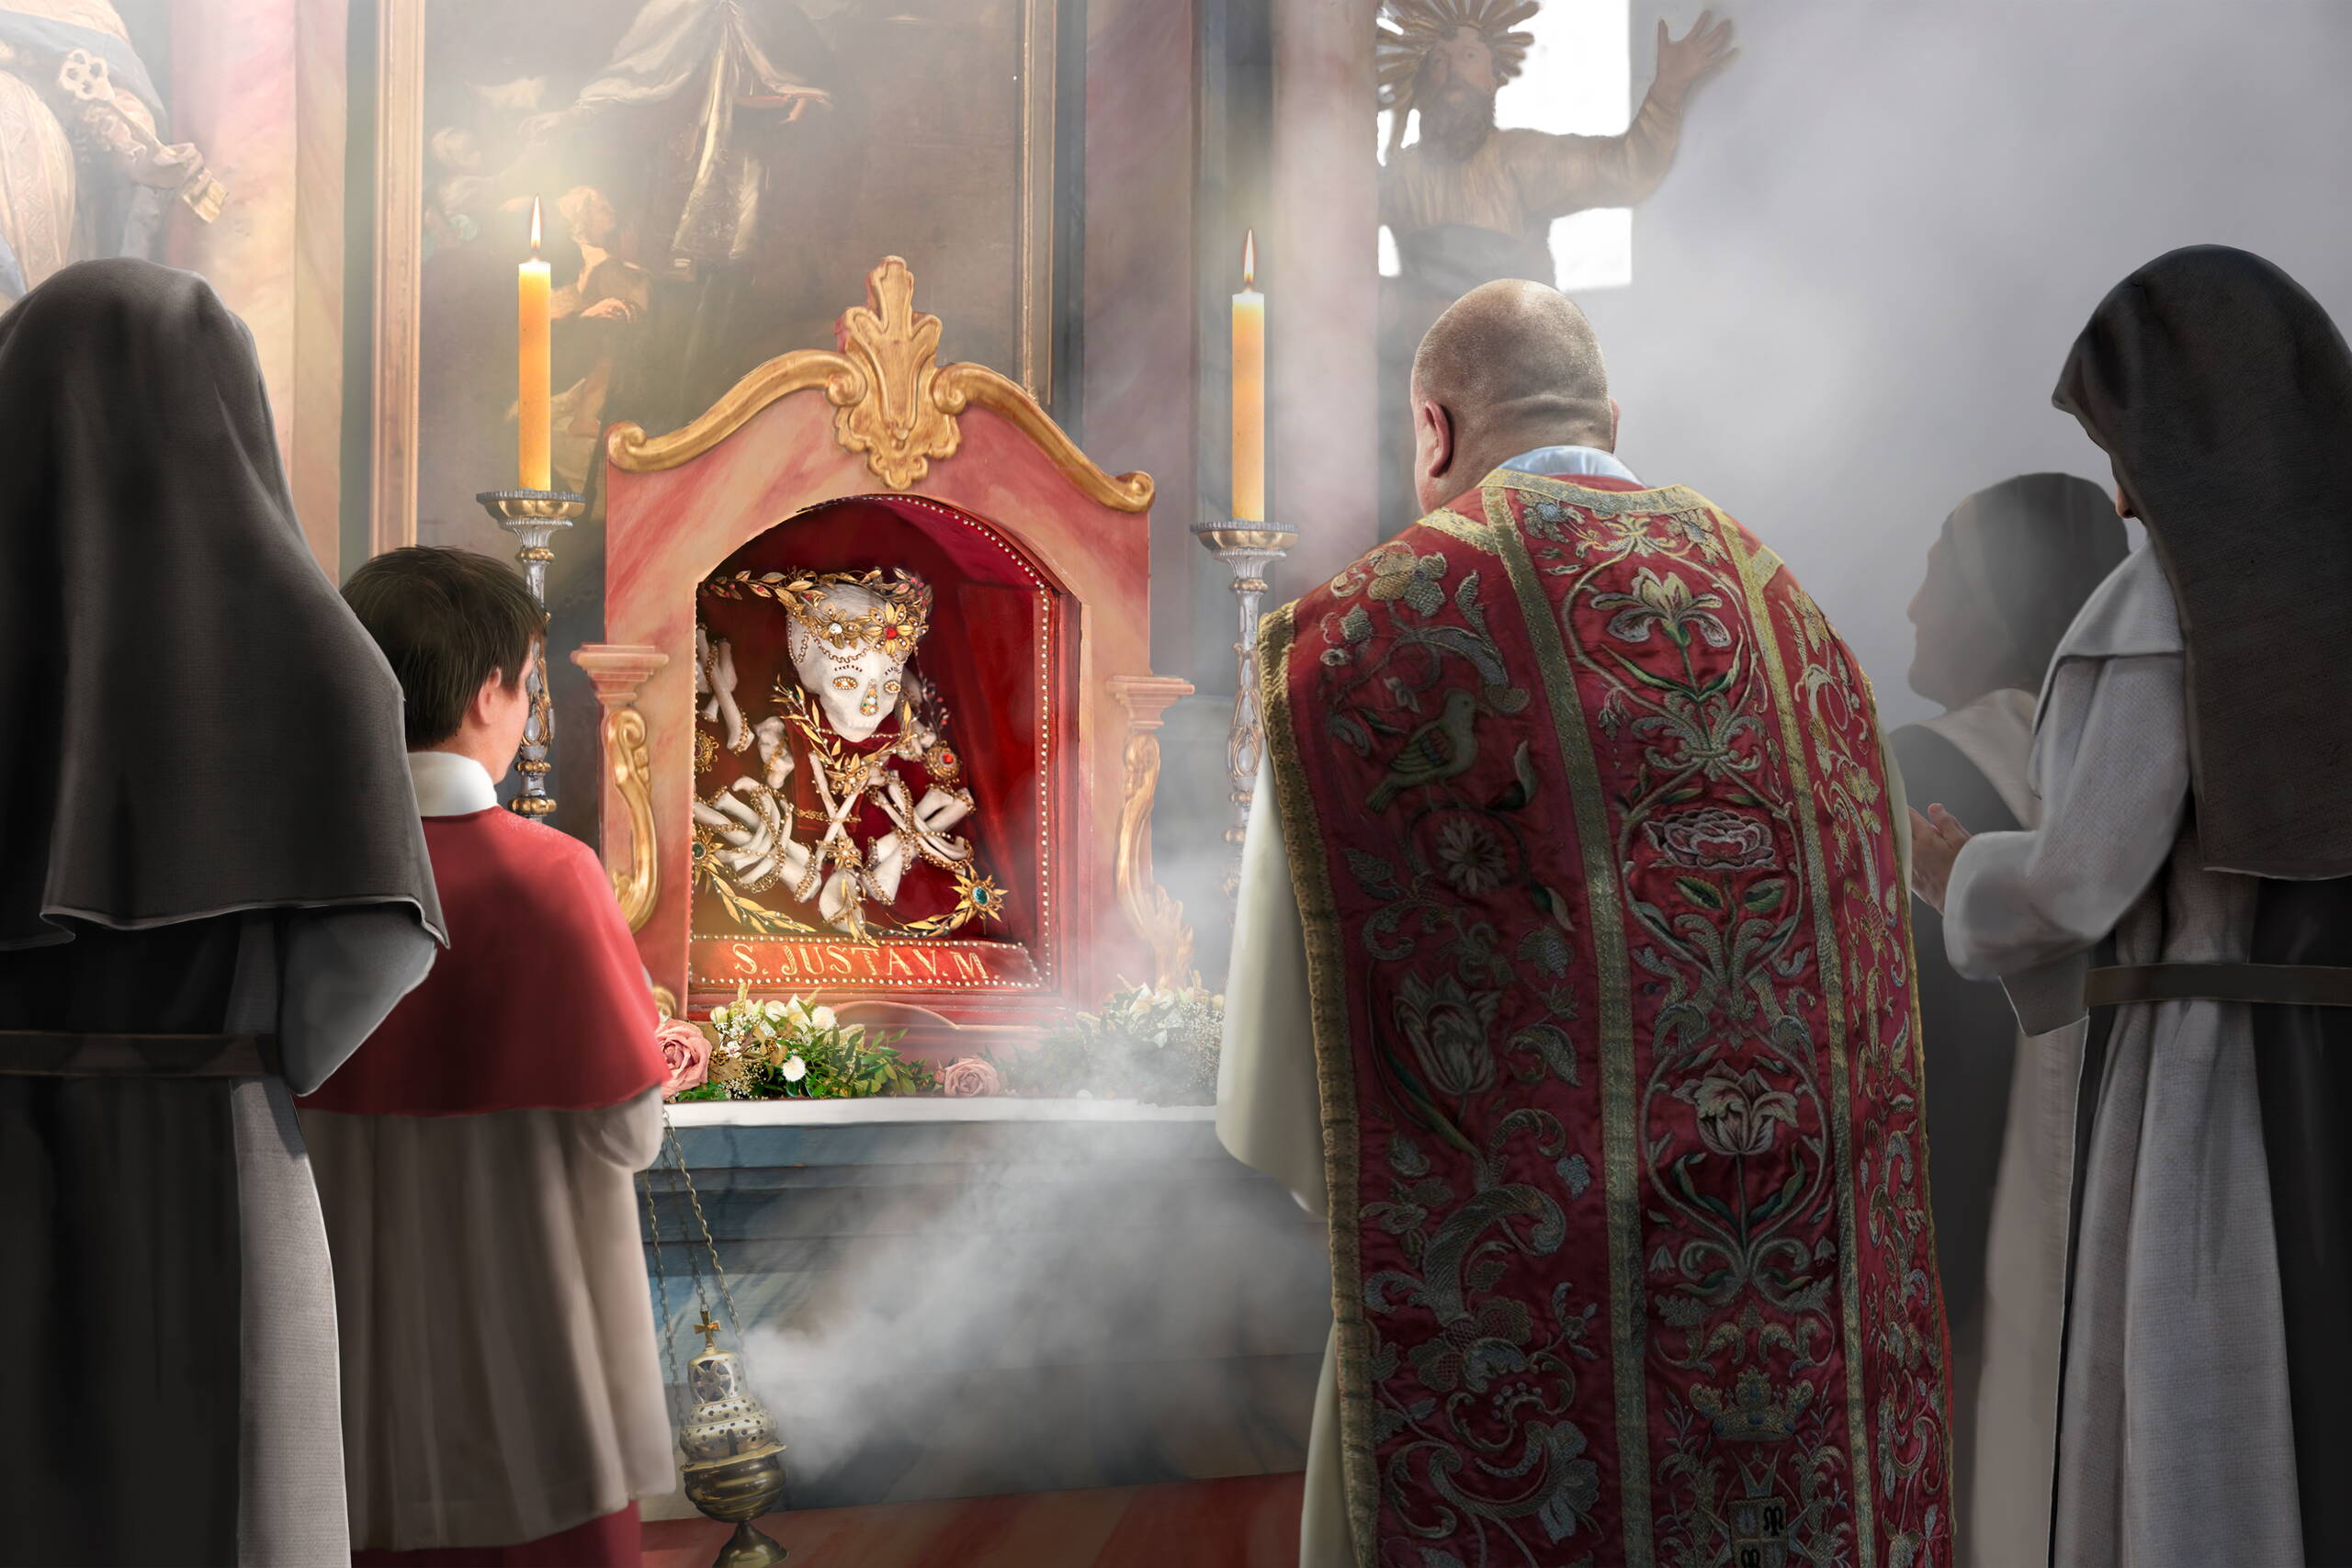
x=539, y=1003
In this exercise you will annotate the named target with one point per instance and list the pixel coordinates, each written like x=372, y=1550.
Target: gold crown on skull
x=893, y=625
x=1409, y=29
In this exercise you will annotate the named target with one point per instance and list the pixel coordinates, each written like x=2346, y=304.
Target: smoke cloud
x=1064, y=1305
x=1887, y=223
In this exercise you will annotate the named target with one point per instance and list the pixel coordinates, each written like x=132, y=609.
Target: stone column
x=1157, y=918
x=1321, y=267
x=1141, y=367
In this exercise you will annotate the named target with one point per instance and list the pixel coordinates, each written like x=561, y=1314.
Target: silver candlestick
x=534, y=517
x=1247, y=548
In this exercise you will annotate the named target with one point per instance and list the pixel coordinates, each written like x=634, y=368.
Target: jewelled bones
x=850, y=638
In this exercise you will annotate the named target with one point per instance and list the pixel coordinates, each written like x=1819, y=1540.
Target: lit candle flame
x=1250, y=259
x=534, y=225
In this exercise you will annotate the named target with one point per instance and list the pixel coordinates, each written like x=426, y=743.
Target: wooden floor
x=1248, y=1522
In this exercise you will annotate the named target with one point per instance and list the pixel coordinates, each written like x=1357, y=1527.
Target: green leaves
x=1153, y=1044
x=1554, y=903
x=1375, y=875
x=1706, y=894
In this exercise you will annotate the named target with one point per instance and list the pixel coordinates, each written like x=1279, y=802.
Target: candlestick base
x=1272, y=539
x=558, y=508
x=1245, y=545
x=534, y=517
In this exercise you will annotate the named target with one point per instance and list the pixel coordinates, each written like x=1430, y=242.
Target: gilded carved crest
x=898, y=423
x=893, y=400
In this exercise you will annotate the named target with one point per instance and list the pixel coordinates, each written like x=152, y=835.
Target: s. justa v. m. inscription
x=987, y=965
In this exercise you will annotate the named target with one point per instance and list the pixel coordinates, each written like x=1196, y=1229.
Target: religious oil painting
x=88, y=165
x=716, y=179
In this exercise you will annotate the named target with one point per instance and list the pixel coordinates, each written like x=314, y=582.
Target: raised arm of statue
x=1559, y=174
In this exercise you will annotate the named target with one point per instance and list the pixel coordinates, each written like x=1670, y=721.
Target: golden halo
x=1409, y=29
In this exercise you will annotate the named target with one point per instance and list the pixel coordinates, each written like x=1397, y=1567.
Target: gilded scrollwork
x=1156, y=917
x=632, y=776
x=893, y=401
x=618, y=670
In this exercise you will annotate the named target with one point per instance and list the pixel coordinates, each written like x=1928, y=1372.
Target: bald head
x=1509, y=366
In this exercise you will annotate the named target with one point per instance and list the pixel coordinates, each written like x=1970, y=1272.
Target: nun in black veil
x=2005, y=578
x=2190, y=884
x=212, y=887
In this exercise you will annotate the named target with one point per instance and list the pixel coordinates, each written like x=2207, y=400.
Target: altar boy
x=501, y=1396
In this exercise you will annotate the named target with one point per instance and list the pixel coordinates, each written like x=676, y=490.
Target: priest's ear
x=1614, y=413
x=1433, y=447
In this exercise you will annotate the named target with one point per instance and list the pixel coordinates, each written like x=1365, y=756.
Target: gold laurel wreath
x=901, y=618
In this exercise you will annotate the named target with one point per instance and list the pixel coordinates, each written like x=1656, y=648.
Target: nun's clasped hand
x=1937, y=840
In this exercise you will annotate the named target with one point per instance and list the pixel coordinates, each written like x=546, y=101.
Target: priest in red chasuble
x=1573, y=983
x=502, y=1394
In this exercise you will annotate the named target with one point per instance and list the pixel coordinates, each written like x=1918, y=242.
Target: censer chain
x=694, y=1264
x=674, y=1392
x=678, y=1163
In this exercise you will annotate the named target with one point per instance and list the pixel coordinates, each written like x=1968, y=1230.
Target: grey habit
x=2176, y=1443
x=212, y=886
x=2013, y=568
x=2196, y=762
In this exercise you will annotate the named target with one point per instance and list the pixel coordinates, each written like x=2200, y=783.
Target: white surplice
x=2174, y=1445
x=450, y=1233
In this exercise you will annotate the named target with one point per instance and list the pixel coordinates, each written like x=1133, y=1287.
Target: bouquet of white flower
x=1154, y=1043
x=771, y=1050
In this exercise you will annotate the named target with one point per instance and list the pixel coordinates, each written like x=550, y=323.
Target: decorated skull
x=850, y=641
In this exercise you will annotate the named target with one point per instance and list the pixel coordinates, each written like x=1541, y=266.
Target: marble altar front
x=956, y=1298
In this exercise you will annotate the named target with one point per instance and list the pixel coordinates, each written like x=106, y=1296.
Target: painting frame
x=398, y=325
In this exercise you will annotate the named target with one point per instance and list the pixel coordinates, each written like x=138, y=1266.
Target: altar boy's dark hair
x=444, y=619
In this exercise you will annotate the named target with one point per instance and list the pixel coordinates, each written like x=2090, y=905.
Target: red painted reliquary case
x=878, y=708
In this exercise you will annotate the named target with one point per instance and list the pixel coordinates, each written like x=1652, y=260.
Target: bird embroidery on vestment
x=1433, y=753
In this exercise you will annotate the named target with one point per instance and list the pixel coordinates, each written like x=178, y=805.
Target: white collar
x=1559, y=462
x=449, y=785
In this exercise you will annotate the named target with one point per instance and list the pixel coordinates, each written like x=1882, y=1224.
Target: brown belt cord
x=2283, y=985
x=71, y=1053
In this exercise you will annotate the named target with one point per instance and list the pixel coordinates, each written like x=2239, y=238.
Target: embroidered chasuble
x=1611, y=976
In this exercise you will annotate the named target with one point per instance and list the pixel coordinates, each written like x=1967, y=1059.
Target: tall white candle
x=533, y=409
x=1249, y=390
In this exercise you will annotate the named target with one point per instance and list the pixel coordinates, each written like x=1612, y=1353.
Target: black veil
x=191, y=723
x=2223, y=393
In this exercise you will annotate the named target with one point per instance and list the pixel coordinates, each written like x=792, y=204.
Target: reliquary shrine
x=878, y=707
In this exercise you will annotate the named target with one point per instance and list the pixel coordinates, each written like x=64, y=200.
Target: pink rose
x=686, y=1052
x=967, y=1079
